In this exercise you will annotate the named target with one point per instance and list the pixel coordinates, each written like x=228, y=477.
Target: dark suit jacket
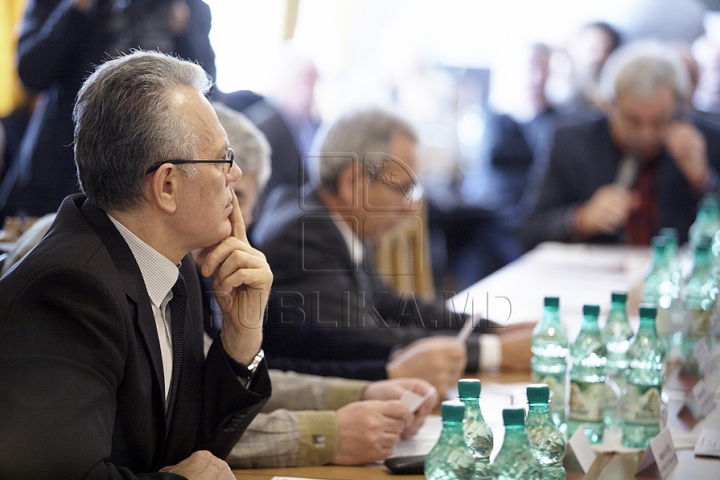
x=327, y=316
x=58, y=48
x=582, y=159
x=81, y=384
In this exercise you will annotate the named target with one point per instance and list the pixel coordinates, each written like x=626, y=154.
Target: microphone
x=627, y=172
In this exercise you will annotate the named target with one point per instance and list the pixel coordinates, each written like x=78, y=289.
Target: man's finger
x=236, y=220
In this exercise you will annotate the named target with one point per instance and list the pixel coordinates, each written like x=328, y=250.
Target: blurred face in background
x=391, y=193
x=638, y=124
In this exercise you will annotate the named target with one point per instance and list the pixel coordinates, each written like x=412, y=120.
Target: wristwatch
x=256, y=361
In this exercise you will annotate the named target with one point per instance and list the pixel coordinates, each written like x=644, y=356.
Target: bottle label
x=587, y=401
x=699, y=323
x=556, y=382
x=663, y=322
x=642, y=404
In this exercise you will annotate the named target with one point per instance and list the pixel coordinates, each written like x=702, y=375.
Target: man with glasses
x=642, y=167
x=331, y=313
x=102, y=368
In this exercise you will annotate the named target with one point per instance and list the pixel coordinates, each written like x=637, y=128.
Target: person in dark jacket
x=60, y=44
x=640, y=168
x=102, y=368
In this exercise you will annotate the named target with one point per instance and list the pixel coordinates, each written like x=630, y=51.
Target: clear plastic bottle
x=549, y=346
x=516, y=459
x=545, y=437
x=587, y=378
x=450, y=458
x=700, y=294
x=672, y=252
x=644, y=376
x=616, y=334
x=674, y=264
x=478, y=436
x=662, y=290
x=707, y=221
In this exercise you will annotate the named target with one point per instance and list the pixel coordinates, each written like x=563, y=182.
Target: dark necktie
x=178, y=307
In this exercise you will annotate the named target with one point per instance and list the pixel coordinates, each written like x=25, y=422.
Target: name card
x=660, y=454
x=413, y=401
x=709, y=442
x=704, y=397
x=707, y=362
x=582, y=449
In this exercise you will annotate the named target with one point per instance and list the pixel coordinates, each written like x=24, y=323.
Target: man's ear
x=349, y=183
x=164, y=187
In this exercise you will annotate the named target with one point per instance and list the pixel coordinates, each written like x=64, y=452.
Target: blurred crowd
x=478, y=191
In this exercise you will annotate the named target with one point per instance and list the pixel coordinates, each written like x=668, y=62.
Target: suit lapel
x=134, y=286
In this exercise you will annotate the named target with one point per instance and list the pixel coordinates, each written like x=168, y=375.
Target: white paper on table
x=582, y=449
x=413, y=401
x=423, y=441
x=704, y=397
x=709, y=442
x=660, y=452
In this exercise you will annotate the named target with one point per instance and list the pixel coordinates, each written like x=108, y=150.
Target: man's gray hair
x=355, y=137
x=640, y=68
x=252, y=150
x=125, y=122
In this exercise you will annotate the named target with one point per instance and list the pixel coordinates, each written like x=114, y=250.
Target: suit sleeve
x=58, y=403
x=51, y=39
x=551, y=209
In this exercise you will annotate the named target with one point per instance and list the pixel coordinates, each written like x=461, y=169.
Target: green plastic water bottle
x=478, y=436
x=700, y=294
x=707, y=221
x=450, y=458
x=616, y=334
x=516, y=459
x=587, y=378
x=661, y=289
x=549, y=345
x=644, y=377
x=545, y=437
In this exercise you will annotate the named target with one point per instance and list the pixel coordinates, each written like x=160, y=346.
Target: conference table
x=578, y=274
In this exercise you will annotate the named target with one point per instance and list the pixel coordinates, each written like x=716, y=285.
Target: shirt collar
x=352, y=242
x=158, y=272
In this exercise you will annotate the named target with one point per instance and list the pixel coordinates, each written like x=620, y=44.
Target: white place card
x=707, y=362
x=661, y=454
x=704, y=397
x=413, y=401
x=582, y=449
x=708, y=444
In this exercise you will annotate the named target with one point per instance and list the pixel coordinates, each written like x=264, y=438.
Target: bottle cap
x=453, y=410
x=469, y=388
x=538, y=393
x=669, y=232
x=618, y=297
x=514, y=416
x=593, y=310
x=659, y=242
x=647, y=311
x=552, y=301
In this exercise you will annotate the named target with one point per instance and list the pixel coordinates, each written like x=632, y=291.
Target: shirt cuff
x=490, y=351
x=318, y=437
x=343, y=392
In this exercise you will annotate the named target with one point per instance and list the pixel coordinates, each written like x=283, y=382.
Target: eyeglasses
x=229, y=159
